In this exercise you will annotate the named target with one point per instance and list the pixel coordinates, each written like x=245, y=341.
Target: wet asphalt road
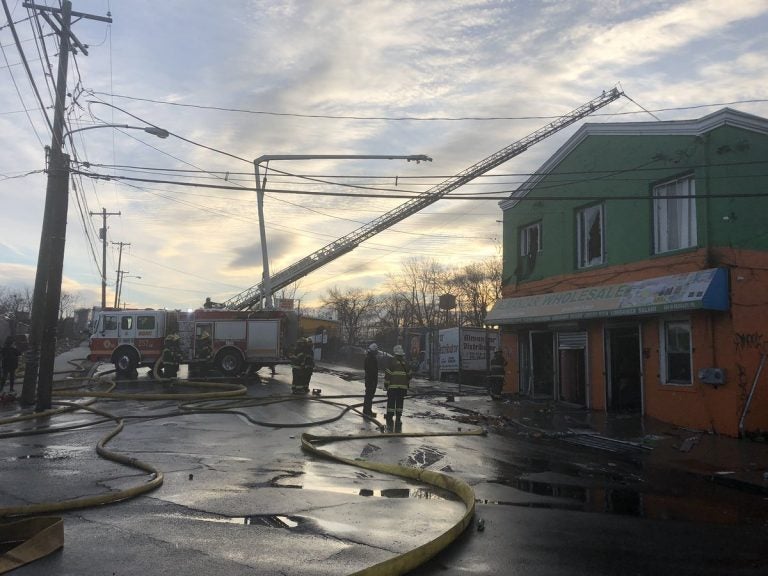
x=242, y=498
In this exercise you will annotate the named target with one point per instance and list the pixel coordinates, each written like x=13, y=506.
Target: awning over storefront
x=705, y=290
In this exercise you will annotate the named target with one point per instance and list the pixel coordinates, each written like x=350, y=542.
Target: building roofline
x=695, y=127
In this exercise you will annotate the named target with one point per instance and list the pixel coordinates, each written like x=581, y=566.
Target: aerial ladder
x=252, y=296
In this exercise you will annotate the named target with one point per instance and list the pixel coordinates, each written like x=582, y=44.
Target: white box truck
x=466, y=352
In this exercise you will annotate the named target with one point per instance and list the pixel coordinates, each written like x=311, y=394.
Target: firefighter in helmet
x=397, y=379
x=496, y=378
x=171, y=358
x=203, y=347
x=298, y=361
x=309, y=364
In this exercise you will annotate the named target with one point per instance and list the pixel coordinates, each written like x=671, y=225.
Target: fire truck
x=241, y=338
x=230, y=341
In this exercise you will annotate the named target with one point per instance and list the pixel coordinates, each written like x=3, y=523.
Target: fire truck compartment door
x=263, y=339
x=229, y=330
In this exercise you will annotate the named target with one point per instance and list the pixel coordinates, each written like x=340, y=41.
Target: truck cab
x=128, y=338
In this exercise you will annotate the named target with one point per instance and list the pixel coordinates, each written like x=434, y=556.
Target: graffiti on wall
x=748, y=341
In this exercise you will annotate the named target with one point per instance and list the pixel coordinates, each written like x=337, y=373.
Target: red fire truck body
x=227, y=340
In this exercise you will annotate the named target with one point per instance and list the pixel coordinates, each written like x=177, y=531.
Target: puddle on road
x=269, y=520
x=700, y=504
x=424, y=456
x=312, y=479
x=49, y=453
x=622, y=501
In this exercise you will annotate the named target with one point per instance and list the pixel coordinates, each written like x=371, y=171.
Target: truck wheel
x=126, y=361
x=229, y=362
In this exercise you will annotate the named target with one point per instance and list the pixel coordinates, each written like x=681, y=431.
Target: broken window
x=530, y=239
x=589, y=232
x=674, y=215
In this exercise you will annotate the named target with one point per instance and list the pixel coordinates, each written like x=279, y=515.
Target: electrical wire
x=29, y=73
x=414, y=118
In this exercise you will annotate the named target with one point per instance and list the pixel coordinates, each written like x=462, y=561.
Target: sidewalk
x=740, y=464
x=737, y=463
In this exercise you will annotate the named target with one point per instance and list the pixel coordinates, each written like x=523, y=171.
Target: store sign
x=705, y=289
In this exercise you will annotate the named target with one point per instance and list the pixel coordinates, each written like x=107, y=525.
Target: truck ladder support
x=250, y=297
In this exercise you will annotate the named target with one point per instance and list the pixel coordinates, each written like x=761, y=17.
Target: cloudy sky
x=456, y=80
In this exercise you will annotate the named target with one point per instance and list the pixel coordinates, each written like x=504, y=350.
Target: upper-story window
x=530, y=246
x=530, y=240
x=674, y=215
x=590, y=236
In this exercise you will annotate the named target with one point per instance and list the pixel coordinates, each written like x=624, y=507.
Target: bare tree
x=15, y=300
x=67, y=304
x=476, y=287
x=354, y=308
x=420, y=283
x=290, y=292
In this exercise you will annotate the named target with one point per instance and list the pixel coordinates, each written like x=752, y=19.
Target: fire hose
x=37, y=537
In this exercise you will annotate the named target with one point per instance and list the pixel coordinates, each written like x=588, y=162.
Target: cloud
x=375, y=58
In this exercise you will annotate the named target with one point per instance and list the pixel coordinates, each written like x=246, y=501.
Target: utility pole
x=103, y=236
x=119, y=271
x=38, y=376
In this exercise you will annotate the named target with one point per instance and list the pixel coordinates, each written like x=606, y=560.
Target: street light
x=266, y=297
x=122, y=274
x=38, y=377
x=154, y=130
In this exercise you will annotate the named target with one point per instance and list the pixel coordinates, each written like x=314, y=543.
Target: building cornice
x=696, y=127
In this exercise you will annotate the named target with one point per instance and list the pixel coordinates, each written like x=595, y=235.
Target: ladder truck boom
x=250, y=297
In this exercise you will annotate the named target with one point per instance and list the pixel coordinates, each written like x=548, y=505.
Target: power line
x=413, y=118
x=29, y=71
x=473, y=196
x=227, y=174
x=293, y=229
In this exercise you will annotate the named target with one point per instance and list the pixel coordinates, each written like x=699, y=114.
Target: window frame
x=583, y=237
x=665, y=352
x=681, y=212
x=524, y=238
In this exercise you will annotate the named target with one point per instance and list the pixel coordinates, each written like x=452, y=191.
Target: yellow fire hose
x=38, y=537
x=410, y=560
x=33, y=539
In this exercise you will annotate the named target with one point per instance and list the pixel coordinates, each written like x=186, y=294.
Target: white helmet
x=373, y=347
x=398, y=351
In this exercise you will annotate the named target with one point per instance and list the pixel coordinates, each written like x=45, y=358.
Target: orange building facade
x=646, y=293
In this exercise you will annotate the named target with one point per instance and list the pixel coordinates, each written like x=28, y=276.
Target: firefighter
x=309, y=365
x=496, y=379
x=298, y=361
x=371, y=378
x=397, y=378
x=203, y=347
x=171, y=358
x=10, y=362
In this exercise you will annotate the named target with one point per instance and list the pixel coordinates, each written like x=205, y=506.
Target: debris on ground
x=689, y=443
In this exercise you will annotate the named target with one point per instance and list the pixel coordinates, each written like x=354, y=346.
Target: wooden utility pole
x=38, y=375
x=103, y=236
x=118, y=280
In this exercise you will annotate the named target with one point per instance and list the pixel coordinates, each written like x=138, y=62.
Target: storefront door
x=542, y=364
x=625, y=390
x=572, y=367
